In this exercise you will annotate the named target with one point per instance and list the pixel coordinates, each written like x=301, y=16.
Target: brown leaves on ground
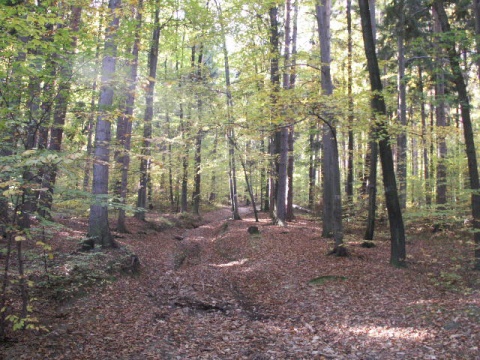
x=218, y=292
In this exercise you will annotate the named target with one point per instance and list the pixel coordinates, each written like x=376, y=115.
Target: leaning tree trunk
x=464, y=101
x=397, y=230
x=98, y=227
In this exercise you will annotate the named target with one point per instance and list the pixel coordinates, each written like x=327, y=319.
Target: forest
x=238, y=179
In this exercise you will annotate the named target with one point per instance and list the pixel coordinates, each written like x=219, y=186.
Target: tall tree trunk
x=184, y=182
x=98, y=227
x=170, y=164
x=230, y=133
x=402, y=107
x=467, y=125
x=282, y=179
x=397, y=231
x=198, y=139
x=148, y=116
x=441, y=119
x=275, y=84
x=371, y=159
x=197, y=176
x=93, y=109
x=213, y=193
x=127, y=121
x=332, y=202
x=350, y=117
x=313, y=146
x=426, y=162
x=371, y=189
x=291, y=139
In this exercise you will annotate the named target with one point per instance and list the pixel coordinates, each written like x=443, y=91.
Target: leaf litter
x=217, y=291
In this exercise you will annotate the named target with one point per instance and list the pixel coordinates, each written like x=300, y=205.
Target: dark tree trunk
x=371, y=189
x=274, y=111
x=397, y=231
x=464, y=101
x=98, y=227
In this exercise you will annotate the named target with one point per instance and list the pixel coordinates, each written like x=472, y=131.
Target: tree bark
x=127, y=119
x=98, y=227
x=402, y=107
x=350, y=117
x=397, y=231
x=230, y=133
x=332, y=203
x=441, y=119
x=145, y=160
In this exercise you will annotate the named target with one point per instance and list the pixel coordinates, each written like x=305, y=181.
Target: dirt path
x=221, y=293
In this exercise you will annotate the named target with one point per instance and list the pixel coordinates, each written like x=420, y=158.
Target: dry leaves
x=235, y=295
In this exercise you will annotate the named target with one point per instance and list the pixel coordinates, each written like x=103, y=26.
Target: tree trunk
x=291, y=138
x=371, y=189
x=332, y=203
x=197, y=176
x=441, y=120
x=184, y=183
x=402, y=108
x=350, y=119
x=230, y=133
x=98, y=227
x=426, y=162
x=93, y=108
x=397, y=231
x=313, y=145
x=127, y=119
x=275, y=140
x=148, y=116
x=464, y=101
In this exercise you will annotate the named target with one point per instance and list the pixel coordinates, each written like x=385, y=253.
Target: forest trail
x=217, y=292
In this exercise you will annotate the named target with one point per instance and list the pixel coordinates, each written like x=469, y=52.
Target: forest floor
x=215, y=291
